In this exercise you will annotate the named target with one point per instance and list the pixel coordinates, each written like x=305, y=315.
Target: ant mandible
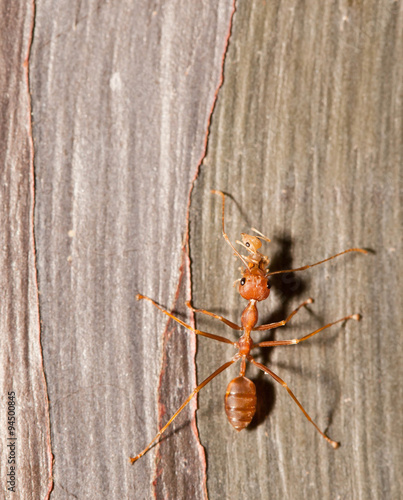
x=254, y=286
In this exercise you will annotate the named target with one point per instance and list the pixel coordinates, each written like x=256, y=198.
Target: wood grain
x=122, y=94
x=307, y=139
x=25, y=459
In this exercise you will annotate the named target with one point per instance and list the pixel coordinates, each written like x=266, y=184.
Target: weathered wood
x=122, y=93
x=307, y=137
x=25, y=459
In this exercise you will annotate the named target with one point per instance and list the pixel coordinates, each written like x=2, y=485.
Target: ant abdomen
x=240, y=402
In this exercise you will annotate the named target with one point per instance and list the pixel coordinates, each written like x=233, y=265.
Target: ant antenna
x=361, y=250
x=223, y=230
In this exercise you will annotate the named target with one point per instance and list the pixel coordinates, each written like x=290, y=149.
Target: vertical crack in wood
x=34, y=259
x=184, y=289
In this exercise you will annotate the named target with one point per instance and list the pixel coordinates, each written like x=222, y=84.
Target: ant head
x=251, y=243
x=254, y=285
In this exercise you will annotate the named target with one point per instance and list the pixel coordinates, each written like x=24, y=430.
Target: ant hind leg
x=193, y=393
x=334, y=444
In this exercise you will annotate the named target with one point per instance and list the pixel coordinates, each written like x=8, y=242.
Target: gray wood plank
x=26, y=459
x=307, y=138
x=122, y=93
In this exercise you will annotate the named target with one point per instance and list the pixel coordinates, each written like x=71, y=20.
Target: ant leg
x=335, y=444
x=361, y=250
x=198, y=332
x=195, y=391
x=284, y=321
x=272, y=343
x=216, y=316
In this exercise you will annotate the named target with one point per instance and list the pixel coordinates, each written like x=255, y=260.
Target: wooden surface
x=26, y=460
x=307, y=138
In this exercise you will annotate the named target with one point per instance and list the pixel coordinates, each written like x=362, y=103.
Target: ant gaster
x=254, y=286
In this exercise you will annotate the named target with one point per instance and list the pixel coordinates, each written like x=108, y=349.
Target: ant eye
x=268, y=284
x=243, y=281
x=247, y=244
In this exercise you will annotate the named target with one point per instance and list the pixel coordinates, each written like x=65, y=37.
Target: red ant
x=254, y=286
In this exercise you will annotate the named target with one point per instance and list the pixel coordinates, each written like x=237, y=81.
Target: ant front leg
x=273, y=343
x=335, y=444
x=271, y=326
x=197, y=332
x=216, y=316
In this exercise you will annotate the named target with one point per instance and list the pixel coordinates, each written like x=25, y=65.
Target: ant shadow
x=287, y=287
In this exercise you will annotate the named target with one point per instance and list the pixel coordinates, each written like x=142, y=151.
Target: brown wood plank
x=26, y=460
x=307, y=138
